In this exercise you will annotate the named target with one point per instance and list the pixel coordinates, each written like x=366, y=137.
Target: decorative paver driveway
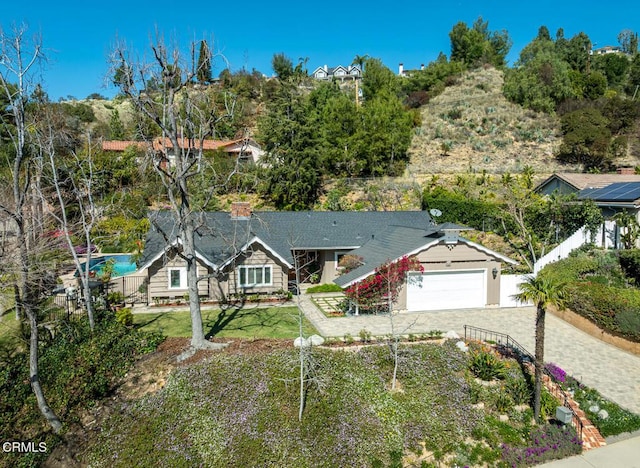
x=611, y=371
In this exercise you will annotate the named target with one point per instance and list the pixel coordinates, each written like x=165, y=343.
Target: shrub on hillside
x=630, y=263
x=76, y=369
x=242, y=410
x=602, y=304
x=546, y=443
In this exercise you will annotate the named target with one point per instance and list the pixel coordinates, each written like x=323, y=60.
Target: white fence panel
x=577, y=239
x=509, y=285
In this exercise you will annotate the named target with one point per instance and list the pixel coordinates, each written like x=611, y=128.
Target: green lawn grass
x=248, y=322
x=10, y=336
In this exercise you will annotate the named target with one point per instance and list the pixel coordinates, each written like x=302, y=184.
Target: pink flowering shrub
x=376, y=290
x=557, y=373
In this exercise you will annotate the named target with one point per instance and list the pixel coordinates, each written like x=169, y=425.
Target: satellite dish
x=435, y=212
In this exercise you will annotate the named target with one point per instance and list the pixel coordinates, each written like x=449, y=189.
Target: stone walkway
x=611, y=371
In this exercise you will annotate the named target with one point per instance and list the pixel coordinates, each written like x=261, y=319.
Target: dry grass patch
x=472, y=126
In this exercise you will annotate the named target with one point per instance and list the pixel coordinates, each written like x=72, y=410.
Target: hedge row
x=596, y=293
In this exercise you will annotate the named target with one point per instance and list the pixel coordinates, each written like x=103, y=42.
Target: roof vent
x=451, y=236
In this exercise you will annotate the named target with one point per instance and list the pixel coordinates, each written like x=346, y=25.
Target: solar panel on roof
x=619, y=191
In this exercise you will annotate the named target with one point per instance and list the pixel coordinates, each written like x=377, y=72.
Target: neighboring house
x=607, y=50
x=257, y=252
x=613, y=198
x=568, y=182
x=246, y=150
x=352, y=72
x=612, y=193
x=407, y=73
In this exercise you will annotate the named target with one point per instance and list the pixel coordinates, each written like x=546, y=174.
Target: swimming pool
x=123, y=265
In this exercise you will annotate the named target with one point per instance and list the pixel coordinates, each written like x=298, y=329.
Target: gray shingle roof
x=219, y=237
x=394, y=242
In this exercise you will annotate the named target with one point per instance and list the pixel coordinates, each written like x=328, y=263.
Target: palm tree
x=543, y=292
x=360, y=60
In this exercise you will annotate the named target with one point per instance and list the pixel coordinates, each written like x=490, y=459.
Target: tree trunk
x=34, y=379
x=198, y=339
x=26, y=303
x=539, y=364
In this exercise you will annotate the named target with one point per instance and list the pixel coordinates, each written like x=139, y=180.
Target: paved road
x=611, y=371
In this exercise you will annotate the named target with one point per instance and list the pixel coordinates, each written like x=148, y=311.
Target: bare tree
x=185, y=117
x=18, y=60
x=75, y=188
x=308, y=372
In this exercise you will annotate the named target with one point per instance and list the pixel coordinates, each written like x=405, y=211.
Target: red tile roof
x=160, y=143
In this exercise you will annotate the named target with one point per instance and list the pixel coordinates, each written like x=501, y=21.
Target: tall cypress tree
x=203, y=73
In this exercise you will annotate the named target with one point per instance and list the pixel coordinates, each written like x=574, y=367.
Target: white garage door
x=447, y=290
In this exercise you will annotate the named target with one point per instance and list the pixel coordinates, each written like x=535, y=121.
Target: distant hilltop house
x=607, y=50
x=244, y=149
x=351, y=72
x=407, y=73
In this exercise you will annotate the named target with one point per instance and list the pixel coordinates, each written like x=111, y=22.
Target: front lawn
x=10, y=334
x=249, y=322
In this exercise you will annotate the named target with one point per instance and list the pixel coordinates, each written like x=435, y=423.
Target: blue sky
x=79, y=35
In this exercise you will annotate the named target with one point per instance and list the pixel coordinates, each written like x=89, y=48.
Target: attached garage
x=440, y=290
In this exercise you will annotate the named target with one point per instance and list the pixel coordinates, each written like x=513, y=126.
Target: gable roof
x=220, y=238
x=579, y=181
x=397, y=242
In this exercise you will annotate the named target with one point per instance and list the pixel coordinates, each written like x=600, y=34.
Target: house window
x=254, y=275
x=177, y=278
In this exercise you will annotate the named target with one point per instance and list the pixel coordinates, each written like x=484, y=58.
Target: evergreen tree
x=293, y=178
x=477, y=45
x=377, y=78
x=116, y=128
x=282, y=66
x=203, y=73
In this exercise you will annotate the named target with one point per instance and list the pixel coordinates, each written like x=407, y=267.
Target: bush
x=548, y=404
x=487, y=366
x=628, y=321
x=545, y=443
x=630, y=263
x=558, y=374
x=598, y=290
x=503, y=402
x=76, y=369
x=124, y=316
x=519, y=390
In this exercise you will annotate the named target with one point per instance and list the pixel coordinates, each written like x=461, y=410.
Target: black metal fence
x=524, y=357
x=133, y=289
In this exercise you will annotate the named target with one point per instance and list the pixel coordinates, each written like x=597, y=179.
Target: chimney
x=422, y=66
x=240, y=210
x=626, y=170
x=401, y=69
